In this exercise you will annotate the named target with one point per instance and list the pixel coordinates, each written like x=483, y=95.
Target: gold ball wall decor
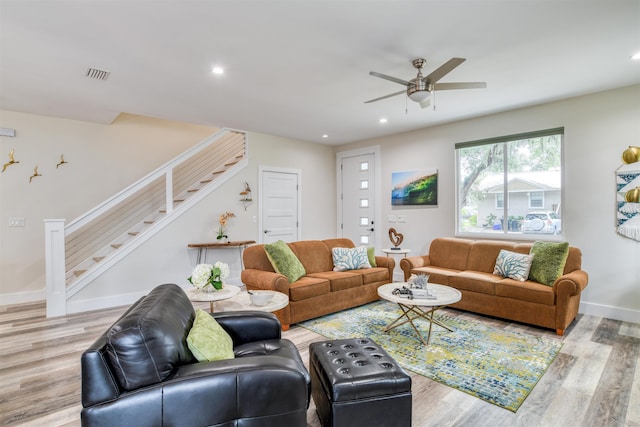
x=632, y=196
x=631, y=155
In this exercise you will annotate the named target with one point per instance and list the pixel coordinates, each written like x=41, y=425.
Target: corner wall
x=598, y=128
x=103, y=159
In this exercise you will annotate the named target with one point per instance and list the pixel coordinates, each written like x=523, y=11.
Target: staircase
x=80, y=251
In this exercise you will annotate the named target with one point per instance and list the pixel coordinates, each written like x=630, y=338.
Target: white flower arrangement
x=206, y=274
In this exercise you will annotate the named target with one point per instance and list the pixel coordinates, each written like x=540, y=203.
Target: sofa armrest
x=571, y=284
x=388, y=263
x=409, y=263
x=249, y=326
x=267, y=280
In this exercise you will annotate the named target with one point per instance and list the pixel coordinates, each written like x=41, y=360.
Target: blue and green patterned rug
x=490, y=363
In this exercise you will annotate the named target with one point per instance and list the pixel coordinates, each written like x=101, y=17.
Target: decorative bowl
x=260, y=298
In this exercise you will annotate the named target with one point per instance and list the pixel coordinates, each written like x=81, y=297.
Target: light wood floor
x=594, y=381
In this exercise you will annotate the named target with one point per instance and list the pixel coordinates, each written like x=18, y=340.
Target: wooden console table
x=203, y=247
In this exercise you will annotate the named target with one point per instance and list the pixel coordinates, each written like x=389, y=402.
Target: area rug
x=498, y=366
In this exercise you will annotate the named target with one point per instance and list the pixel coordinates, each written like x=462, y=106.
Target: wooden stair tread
x=133, y=233
x=192, y=190
x=98, y=258
x=79, y=273
x=116, y=245
x=149, y=221
x=217, y=172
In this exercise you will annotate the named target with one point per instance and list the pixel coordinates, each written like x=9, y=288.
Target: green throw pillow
x=207, y=340
x=284, y=261
x=548, y=261
x=371, y=253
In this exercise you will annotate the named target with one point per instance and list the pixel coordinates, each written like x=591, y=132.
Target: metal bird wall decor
x=35, y=174
x=62, y=161
x=12, y=161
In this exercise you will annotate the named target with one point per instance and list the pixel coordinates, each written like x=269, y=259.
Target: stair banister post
x=55, y=267
x=169, y=189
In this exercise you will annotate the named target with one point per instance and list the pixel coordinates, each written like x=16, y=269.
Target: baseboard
x=610, y=312
x=22, y=297
x=103, y=302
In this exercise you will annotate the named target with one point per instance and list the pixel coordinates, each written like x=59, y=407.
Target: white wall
x=598, y=128
x=165, y=258
x=103, y=159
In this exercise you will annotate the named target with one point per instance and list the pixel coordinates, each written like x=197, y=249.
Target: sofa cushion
x=373, y=275
x=475, y=281
x=513, y=265
x=548, y=263
x=207, y=340
x=284, y=261
x=315, y=255
x=149, y=341
x=483, y=255
x=350, y=258
x=308, y=287
x=340, y=280
x=449, y=252
x=438, y=275
x=526, y=291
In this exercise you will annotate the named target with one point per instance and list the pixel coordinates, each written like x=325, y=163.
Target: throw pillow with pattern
x=513, y=265
x=350, y=258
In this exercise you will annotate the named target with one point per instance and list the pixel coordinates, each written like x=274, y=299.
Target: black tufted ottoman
x=354, y=382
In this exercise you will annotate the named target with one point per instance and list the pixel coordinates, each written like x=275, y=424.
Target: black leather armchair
x=141, y=373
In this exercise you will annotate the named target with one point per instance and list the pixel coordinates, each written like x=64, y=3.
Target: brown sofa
x=467, y=265
x=321, y=291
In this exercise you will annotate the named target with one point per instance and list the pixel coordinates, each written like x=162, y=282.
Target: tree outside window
x=524, y=169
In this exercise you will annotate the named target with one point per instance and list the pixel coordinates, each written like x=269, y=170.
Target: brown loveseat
x=467, y=265
x=321, y=291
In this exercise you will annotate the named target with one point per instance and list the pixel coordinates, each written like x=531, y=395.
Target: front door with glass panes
x=358, y=199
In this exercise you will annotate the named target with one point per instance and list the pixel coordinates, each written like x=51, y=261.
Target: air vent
x=95, y=73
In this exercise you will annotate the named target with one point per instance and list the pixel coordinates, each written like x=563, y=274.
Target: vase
x=209, y=288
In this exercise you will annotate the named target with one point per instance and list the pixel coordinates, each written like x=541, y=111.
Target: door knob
x=267, y=231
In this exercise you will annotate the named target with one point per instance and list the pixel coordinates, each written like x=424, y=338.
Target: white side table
x=228, y=291
x=390, y=252
x=402, y=252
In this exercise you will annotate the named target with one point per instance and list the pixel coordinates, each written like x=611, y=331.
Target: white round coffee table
x=444, y=296
x=242, y=301
x=196, y=295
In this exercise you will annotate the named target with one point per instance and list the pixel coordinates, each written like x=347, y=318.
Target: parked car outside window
x=542, y=222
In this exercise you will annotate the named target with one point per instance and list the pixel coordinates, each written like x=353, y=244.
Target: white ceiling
x=299, y=69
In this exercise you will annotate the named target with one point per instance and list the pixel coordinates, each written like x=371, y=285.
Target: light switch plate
x=391, y=218
x=402, y=218
x=16, y=221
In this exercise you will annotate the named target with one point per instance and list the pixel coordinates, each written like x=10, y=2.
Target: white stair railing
x=77, y=253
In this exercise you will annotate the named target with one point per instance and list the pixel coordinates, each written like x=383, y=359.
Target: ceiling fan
x=419, y=88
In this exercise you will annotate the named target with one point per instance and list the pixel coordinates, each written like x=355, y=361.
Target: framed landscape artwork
x=414, y=188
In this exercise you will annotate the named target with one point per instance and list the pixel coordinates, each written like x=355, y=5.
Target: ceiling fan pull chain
x=434, y=99
x=406, y=105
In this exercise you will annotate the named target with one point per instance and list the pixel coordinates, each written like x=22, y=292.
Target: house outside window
x=536, y=199
x=524, y=169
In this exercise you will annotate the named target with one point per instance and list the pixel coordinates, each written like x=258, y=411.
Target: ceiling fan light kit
x=419, y=88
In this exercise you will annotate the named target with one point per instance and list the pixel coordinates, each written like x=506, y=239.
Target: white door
x=358, y=199
x=279, y=205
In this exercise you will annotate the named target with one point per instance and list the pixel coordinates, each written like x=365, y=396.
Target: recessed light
x=217, y=70
x=325, y=136
x=636, y=56
x=383, y=120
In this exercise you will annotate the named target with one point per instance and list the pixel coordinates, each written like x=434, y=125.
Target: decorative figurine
x=62, y=161
x=12, y=161
x=35, y=174
x=396, y=239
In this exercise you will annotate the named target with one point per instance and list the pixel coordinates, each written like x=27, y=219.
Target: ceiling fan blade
x=385, y=97
x=467, y=85
x=425, y=103
x=444, y=69
x=390, y=78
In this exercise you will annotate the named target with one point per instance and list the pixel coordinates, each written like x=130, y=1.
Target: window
x=525, y=170
x=536, y=199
